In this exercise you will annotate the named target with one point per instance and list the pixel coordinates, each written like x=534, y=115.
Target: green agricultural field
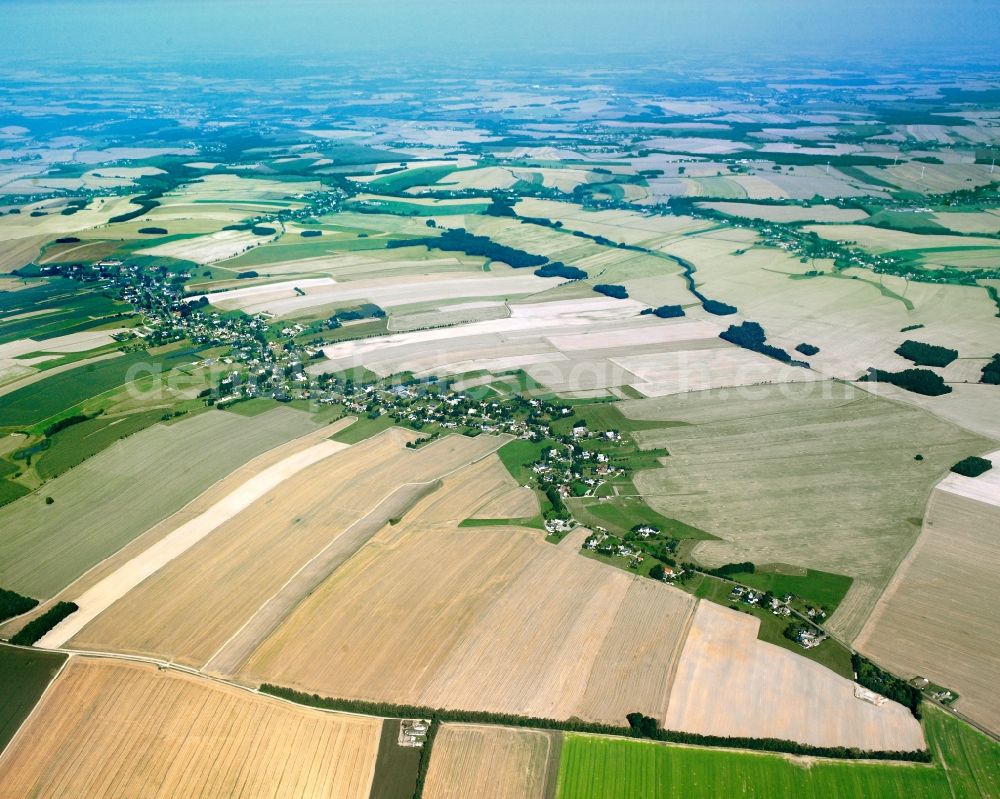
x=407, y=179
x=816, y=588
x=396, y=767
x=967, y=767
x=46, y=398
x=823, y=477
x=105, y=502
x=24, y=675
x=58, y=307
x=621, y=514
x=75, y=444
x=363, y=428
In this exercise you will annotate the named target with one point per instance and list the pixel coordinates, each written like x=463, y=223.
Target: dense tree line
x=608, y=290
x=664, y=311
x=807, y=349
x=991, y=372
x=146, y=203
x=724, y=571
x=460, y=240
x=718, y=308
x=425, y=755
x=926, y=354
x=889, y=685
x=973, y=466
x=559, y=269
x=634, y=730
x=69, y=421
x=36, y=628
x=153, y=231
x=750, y=335
x=919, y=381
x=13, y=604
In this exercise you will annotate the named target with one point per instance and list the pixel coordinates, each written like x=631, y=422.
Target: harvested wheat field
x=43, y=548
x=729, y=683
x=111, y=729
x=189, y=609
x=936, y=618
x=113, y=587
x=485, y=618
x=490, y=763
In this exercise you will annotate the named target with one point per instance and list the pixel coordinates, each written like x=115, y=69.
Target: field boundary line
x=41, y=606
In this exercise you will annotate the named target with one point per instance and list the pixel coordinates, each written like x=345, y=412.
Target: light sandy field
x=518, y=502
x=15, y=366
x=886, y=240
x=695, y=370
x=973, y=407
x=101, y=596
x=208, y=249
x=488, y=763
x=195, y=508
x=281, y=288
x=789, y=213
x=488, y=618
x=933, y=178
x=985, y=221
x=769, y=287
x=936, y=618
x=385, y=292
x=43, y=547
x=112, y=729
x=489, y=177
x=22, y=235
x=729, y=683
x=403, y=320
x=564, y=344
x=626, y=227
x=819, y=475
x=190, y=609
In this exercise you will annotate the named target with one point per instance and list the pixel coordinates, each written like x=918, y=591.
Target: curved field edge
x=966, y=766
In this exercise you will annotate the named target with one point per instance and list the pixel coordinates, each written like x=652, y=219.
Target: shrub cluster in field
x=750, y=335
x=608, y=290
x=926, y=354
x=991, y=372
x=664, y=311
x=919, y=381
x=973, y=466
x=889, y=685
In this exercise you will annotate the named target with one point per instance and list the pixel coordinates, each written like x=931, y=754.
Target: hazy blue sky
x=183, y=30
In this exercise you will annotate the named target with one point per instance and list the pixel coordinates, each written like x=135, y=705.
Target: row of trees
x=889, y=685
x=36, y=628
x=639, y=726
x=750, y=335
x=13, y=604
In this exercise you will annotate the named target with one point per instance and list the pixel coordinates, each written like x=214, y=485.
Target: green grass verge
x=621, y=514
x=396, y=767
x=817, y=588
x=24, y=675
x=362, y=429
x=535, y=521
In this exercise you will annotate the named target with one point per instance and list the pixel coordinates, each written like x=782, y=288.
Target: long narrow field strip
x=260, y=562
x=489, y=618
x=488, y=763
x=936, y=618
x=731, y=684
x=115, y=586
x=105, y=502
x=109, y=729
